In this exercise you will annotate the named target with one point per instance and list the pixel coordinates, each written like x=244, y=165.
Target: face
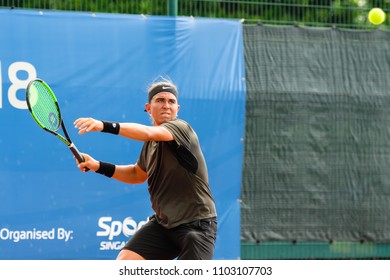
x=163, y=107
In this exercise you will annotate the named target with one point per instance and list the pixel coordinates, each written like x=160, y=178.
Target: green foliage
x=342, y=13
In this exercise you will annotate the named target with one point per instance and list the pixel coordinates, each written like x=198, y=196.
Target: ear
x=147, y=108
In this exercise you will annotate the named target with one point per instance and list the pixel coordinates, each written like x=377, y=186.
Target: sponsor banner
x=100, y=65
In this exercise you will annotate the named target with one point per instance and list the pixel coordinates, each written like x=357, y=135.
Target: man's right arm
x=131, y=174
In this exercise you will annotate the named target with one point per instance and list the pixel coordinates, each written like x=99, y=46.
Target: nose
x=166, y=104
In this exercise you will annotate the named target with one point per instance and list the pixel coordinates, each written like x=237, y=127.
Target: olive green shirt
x=177, y=177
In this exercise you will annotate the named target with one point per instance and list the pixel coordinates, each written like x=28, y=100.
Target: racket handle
x=76, y=153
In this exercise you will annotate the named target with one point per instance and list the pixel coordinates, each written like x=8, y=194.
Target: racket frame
x=66, y=140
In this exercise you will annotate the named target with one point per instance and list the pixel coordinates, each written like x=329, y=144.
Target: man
x=184, y=225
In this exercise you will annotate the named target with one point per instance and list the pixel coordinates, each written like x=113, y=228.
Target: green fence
x=317, y=154
x=314, y=250
x=316, y=13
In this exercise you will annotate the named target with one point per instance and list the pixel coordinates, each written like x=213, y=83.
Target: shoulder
x=179, y=127
x=177, y=123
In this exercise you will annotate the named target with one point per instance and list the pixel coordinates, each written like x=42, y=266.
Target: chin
x=165, y=119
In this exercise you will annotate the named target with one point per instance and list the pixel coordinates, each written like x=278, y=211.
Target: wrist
x=111, y=127
x=106, y=169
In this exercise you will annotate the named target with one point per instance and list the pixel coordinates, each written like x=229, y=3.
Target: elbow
x=137, y=180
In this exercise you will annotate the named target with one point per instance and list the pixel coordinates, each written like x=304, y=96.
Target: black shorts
x=191, y=241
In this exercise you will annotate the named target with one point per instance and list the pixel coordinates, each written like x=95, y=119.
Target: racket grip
x=76, y=153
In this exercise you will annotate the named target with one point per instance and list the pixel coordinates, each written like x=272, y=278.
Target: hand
x=88, y=125
x=89, y=164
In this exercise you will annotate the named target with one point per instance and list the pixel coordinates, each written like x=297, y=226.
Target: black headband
x=162, y=88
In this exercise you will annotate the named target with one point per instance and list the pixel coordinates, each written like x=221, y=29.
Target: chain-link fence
x=317, y=13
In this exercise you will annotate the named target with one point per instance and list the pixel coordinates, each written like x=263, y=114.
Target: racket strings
x=45, y=108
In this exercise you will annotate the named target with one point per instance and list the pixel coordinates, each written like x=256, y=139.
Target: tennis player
x=184, y=225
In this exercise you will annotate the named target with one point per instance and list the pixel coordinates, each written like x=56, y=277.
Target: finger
x=81, y=122
x=83, y=127
x=82, y=130
x=82, y=167
x=87, y=125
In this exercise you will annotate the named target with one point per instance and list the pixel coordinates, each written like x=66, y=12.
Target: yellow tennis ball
x=376, y=16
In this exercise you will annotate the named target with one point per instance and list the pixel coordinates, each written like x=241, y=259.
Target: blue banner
x=100, y=65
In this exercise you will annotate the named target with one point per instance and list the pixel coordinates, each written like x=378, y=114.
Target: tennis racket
x=43, y=106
